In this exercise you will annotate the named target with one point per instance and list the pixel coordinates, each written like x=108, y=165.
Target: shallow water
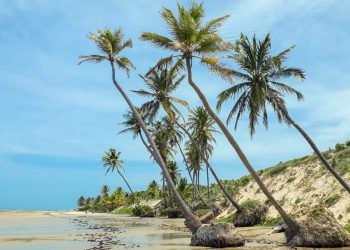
x=39, y=230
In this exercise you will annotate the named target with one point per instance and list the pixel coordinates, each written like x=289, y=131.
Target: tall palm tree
x=111, y=44
x=111, y=160
x=161, y=82
x=261, y=85
x=194, y=40
x=153, y=189
x=202, y=127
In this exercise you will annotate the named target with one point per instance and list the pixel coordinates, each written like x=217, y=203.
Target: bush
x=347, y=143
x=339, y=147
x=278, y=169
x=332, y=200
x=123, y=210
x=139, y=210
x=271, y=222
x=228, y=219
x=250, y=204
x=347, y=228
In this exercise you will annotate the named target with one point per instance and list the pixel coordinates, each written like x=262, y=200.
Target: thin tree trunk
x=228, y=196
x=291, y=223
x=208, y=182
x=317, y=151
x=189, y=173
x=191, y=221
x=132, y=193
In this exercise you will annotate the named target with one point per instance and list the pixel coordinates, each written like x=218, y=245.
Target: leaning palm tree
x=111, y=44
x=161, y=82
x=202, y=128
x=111, y=160
x=261, y=85
x=193, y=39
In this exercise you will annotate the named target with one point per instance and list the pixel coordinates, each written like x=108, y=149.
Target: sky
x=58, y=118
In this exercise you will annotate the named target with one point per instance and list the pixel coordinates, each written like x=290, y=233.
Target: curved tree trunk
x=228, y=196
x=291, y=223
x=132, y=193
x=189, y=173
x=191, y=221
x=317, y=151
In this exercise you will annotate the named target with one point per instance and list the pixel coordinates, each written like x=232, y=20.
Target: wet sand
x=77, y=230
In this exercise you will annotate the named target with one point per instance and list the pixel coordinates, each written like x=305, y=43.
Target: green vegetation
x=271, y=221
x=339, y=147
x=332, y=200
x=124, y=210
x=227, y=219
x=250, y=204
x=140, y=210
x=347, y=228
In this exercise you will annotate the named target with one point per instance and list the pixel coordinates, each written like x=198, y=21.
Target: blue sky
x=58, y=118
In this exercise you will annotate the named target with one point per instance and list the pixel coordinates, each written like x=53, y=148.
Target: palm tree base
x=217, y=235
x=250, y=217
x=318, y=228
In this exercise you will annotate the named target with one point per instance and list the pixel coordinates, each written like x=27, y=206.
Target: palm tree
x=111, y=160
x=111, y=44
x=81, y=201
x=194, y=40
x=153, y=189
x=202, y=127
x=161, y=82
x=261, y=85
x=105, y=191
x=175, y=176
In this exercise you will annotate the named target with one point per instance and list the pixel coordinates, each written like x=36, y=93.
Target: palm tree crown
x=259, y=82
x=191, y=37
x=161, y=82
x=111, y=44
x=111, y=160
x=131, y=124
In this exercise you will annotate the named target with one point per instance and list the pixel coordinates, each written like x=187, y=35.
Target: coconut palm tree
x=81, y=201
x=111, y=44
x=105, y=191
x=261, y=85
x=161, y=82
x=202, y=128
x=153, y=189
x=193, y=39
x=111, y=160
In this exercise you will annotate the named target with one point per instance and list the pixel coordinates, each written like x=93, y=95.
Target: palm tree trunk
x=228, y=196
x=316, y=150
x=208, y=182
x=189, y=173
x=191, y=221
x=132, y=193
x=291, y=223
x=163, y=193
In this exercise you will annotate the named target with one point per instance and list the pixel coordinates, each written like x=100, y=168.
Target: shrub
x=347, y=228
x=347, y=143
x=278, y=169
x=137, y=211
x=332, y=200
x=348, y=209
x=339, y=147
x=271, y=222
x=123, y=210
x=298, y=200
x=250, y=204
x=228, y=219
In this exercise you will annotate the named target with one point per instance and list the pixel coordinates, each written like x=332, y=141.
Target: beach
x=78, y=230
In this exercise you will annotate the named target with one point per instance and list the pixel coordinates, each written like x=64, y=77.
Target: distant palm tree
x=111, y=44
x=192, y=39
x=161, y=82
x=153, y=189
x=105, y=191
x=175, y=176
x=111, y=161
x=81, y=201
x=261, y=85
x=202, y=129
